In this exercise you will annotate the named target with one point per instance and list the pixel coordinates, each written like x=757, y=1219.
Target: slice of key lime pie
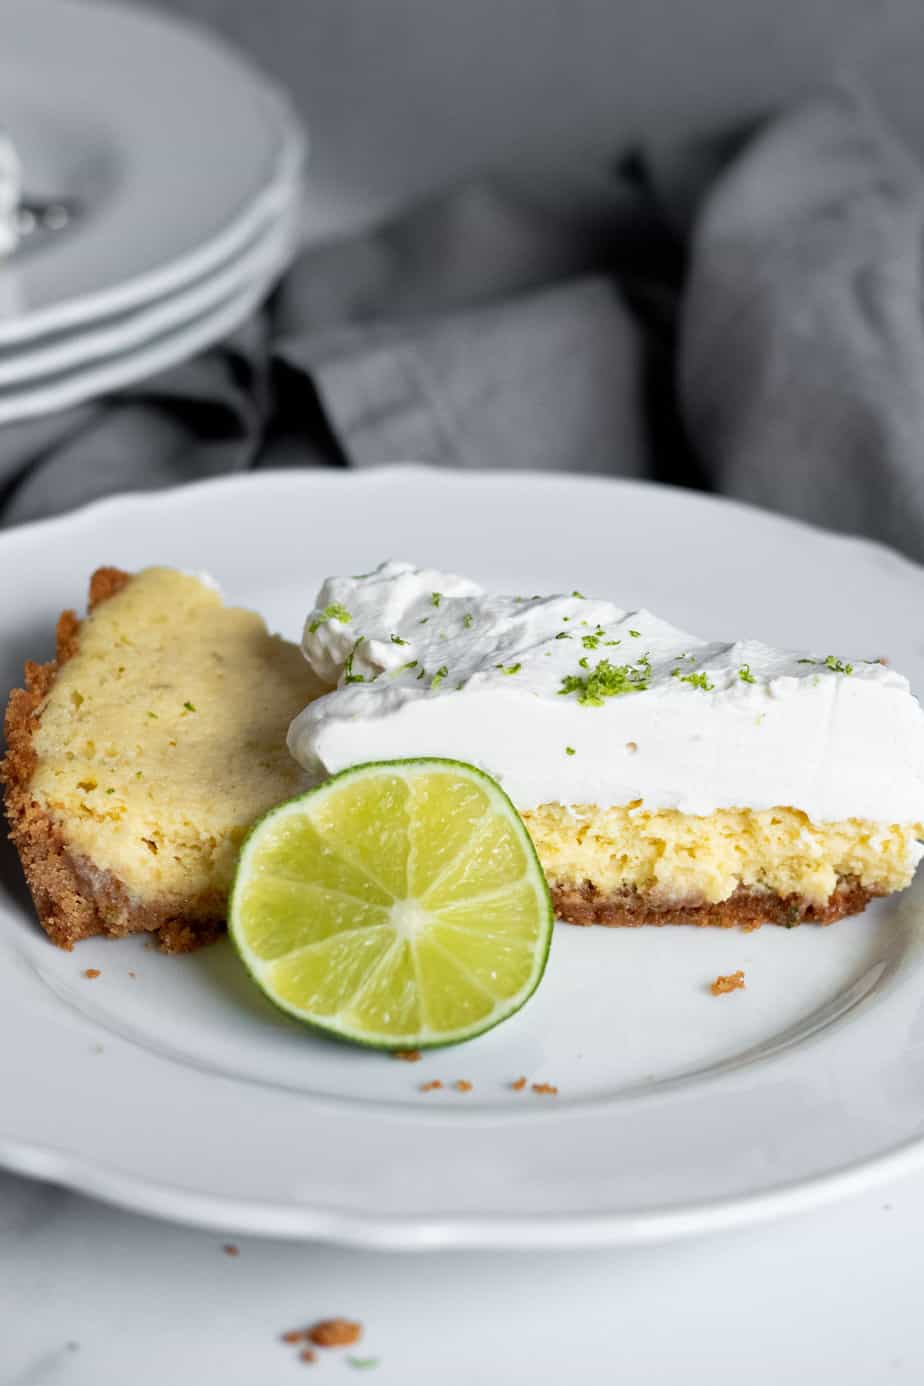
x=664, y=779
x=140, y=757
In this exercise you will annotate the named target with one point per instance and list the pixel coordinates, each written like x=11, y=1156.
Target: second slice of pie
x=663, y=778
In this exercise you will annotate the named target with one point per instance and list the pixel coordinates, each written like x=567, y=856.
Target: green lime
x=400, y=904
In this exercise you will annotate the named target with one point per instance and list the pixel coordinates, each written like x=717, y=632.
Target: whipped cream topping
x=9, y=195
x=567, y=699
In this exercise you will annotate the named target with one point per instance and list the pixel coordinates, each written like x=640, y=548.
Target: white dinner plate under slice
x=174, y=146
x=170, y=1085
x=126, y=366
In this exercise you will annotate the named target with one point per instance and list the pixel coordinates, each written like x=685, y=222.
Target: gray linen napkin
x=514, y=325
x=802, y=344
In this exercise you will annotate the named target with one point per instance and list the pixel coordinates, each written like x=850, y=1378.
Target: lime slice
x=401, y=904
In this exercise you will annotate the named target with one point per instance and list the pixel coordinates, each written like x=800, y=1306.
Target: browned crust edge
x=73, y=898
x=746, y=908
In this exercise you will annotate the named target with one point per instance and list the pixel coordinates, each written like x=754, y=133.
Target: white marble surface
x=90, y=1296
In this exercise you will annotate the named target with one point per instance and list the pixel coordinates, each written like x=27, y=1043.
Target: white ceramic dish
x=195, y=332
x=82, y=347
x=262, y=256
x=182, y=1093
x=178, y=162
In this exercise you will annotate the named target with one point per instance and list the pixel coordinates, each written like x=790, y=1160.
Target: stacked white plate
x=184, y=166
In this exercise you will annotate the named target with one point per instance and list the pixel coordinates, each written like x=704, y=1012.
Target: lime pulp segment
x=400, y=904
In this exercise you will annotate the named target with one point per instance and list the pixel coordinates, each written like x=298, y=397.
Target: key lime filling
x=675, y=857
x=163, y=739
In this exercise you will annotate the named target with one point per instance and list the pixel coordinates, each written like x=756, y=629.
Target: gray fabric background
x=742, y=313
x=407, y=97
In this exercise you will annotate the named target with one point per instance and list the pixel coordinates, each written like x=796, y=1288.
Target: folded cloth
x=802, y=341
x=507, y=324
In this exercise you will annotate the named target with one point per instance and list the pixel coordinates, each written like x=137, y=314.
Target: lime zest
x=334, y=612
x=697, y=680
x=607, y=680
x=348, y=675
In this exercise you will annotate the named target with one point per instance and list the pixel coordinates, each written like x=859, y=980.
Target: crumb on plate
x=518, y=1084
x=410, y=1056
x=733, y=982
x=92, y=972
x=463, y=1085
x=433, y=1084
x=230, y=1249
x=547, y=1089
x=335, y=1333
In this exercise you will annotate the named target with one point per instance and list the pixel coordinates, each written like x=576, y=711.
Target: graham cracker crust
x=73, y=898
x=746, y=908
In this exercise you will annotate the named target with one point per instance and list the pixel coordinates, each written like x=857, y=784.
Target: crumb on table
x=230, y=1249
x=335, y=1333
x=410, y=1056
x=733, y=982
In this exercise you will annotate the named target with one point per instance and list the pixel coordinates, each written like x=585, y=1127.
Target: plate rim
x=119, y=369
x=473, y=1231
x=169, y=311
x=407, y=1231
x=410, y=470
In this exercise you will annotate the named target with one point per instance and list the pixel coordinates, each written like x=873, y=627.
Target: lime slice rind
x=428, y=994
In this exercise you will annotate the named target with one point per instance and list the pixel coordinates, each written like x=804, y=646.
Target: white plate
x=84, y=345
x=181, y=1092
x=125, y=366
x=178, y=161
